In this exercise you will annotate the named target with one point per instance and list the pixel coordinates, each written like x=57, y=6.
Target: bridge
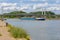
x=27, y=15
x=21, y=15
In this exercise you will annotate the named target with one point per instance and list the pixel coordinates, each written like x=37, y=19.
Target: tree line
x=46, y=14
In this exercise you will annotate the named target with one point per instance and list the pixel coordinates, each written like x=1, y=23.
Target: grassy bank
x=0, y=34
x=18, y=32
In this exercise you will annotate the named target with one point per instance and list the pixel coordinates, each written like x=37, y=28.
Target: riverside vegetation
x=9, y=32
x=18, y=32
x=19, y=14
x=0, y=34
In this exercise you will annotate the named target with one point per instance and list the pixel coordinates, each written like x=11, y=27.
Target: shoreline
x=5, y=35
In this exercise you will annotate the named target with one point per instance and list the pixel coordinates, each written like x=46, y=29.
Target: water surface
x=39, y=30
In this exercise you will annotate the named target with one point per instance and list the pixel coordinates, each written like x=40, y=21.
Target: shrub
x=0, y=34
x=18, y=32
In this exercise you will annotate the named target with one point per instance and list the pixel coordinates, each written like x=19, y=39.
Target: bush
x=0, y=34
x=18, y=32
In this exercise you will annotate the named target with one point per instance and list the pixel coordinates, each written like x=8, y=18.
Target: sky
x=29, y=5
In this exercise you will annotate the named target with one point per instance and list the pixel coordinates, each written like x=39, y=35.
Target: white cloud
x=40, y=5
x=53, y=8
x=13, y=6
x=10, y=8
x=25, y=6
x=8, y=4
x=46, y=6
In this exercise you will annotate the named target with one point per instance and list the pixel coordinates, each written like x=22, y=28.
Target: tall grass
x=18, y=32
x=0, y=34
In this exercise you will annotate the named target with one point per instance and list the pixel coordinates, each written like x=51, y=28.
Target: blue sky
x=30, y=5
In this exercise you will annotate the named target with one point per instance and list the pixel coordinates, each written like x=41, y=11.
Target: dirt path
x=4, y=32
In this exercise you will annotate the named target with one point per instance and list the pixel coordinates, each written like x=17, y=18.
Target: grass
x=0, y=34
x=18, y=32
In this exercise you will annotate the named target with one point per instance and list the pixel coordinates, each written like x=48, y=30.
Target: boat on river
x=40, y=18
x=29, y=18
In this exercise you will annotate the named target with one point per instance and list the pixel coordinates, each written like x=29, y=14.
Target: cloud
x=8, y=4
x=40, y=5
x=9, y=8
x=31, y=7
x=46, y=6
x=53, y=8
x=22, y=7
x=27, y=6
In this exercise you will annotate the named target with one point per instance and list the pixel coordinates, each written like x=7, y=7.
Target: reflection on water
x=39, y=30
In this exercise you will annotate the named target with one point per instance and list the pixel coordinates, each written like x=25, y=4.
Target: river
x=39, y=30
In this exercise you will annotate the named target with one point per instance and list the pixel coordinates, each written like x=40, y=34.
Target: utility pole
x=43, y=12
